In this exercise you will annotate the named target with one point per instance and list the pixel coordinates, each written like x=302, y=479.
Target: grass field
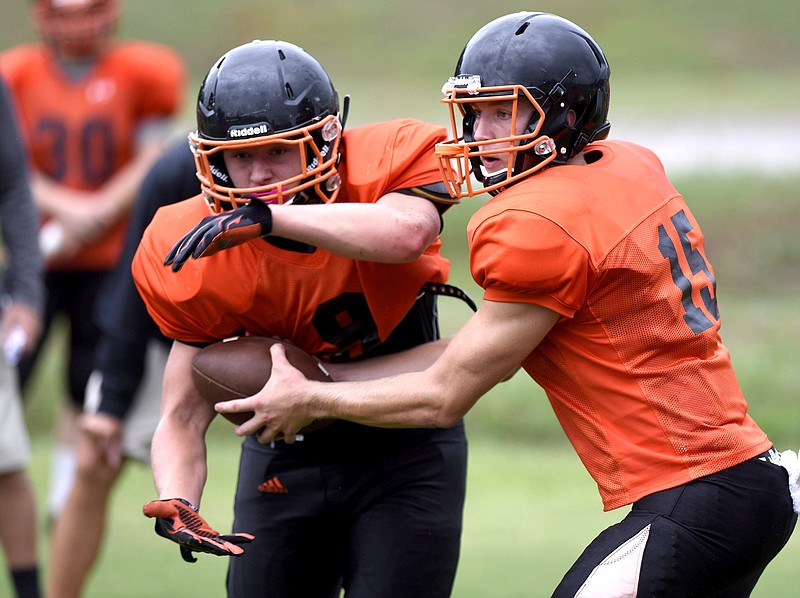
x=531, y=507
x=530, y=511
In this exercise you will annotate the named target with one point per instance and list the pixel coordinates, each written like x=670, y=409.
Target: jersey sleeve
x=14, y=63
x=436, y=193
x=395, y=155
x=517, y=256
x=160, y=288
x=207, y=299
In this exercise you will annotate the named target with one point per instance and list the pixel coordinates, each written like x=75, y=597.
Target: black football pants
x=377, y=512
x=710, y=538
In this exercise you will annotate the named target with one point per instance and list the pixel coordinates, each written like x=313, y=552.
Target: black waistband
x=767, y=455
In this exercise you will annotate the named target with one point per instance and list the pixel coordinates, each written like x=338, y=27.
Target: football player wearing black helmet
x=270, y=128
x=326, y=237
x=597, y=283
x=557, y=100
x=268, y=94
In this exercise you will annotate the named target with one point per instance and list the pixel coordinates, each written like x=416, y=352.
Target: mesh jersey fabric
x=635, y=368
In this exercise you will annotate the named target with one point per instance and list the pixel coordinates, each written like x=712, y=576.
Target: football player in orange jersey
x=331, y=241
x=596, y=282
x=95, y=112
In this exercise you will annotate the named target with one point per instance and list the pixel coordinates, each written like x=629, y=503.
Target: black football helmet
x=76, y=29
x=267, y=92
x=550, y=62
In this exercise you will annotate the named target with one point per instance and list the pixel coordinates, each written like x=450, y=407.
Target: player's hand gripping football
x=221, y=231
x=178, y=520
x=279, y=408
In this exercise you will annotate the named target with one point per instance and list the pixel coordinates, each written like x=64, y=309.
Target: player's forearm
x=411, y=400
x=178, y=462
x=412, y=360
x=360, y=231
x=179, y=450
x=481, y=354
x=119, y=192
x=48, y=195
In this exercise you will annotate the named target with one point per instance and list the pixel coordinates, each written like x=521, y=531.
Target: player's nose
x=262, y=171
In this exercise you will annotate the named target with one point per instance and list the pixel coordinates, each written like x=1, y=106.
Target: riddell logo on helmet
x=249, y=131
x=219, y=174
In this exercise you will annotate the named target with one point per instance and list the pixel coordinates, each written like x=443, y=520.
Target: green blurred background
x=711, y=86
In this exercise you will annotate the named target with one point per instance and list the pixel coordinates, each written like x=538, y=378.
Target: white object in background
x=14, y=345
x=51, y=238
x=791, y=462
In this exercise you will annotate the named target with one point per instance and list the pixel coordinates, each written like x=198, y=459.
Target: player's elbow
x=410, y=248
x=399, y=248
x=447, y=410
x=413, y=235
x=428, y=416
x=447, y=418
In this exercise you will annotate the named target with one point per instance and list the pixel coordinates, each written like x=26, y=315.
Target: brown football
x=239, y=367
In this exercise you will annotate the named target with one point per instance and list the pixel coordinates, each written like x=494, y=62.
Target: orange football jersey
x=324, y=303
x=635, y=369
x=80, y=133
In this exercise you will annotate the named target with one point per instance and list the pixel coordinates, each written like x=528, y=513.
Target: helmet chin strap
x=304, y=197
x=493, y=177
x=543, y=148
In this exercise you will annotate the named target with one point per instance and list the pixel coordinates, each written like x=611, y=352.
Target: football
x=239, y=367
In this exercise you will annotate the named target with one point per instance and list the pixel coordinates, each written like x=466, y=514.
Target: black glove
x=221, y=231
x=178, y=520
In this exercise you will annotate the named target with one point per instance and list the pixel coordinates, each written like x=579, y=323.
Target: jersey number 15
x=694, y=316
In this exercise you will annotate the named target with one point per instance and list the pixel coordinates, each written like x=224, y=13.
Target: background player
x=124, y=394
x=596, y=282
x=22, y=294
x=95, y=112
x=375, y=511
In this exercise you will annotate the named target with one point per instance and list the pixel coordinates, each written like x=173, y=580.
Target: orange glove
x=177, y=520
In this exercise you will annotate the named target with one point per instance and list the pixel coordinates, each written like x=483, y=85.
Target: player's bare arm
x=179, y=465
x=104, y=432
x=410, y=360
x=397, y=228
x=179, y=450
x=485, y=350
